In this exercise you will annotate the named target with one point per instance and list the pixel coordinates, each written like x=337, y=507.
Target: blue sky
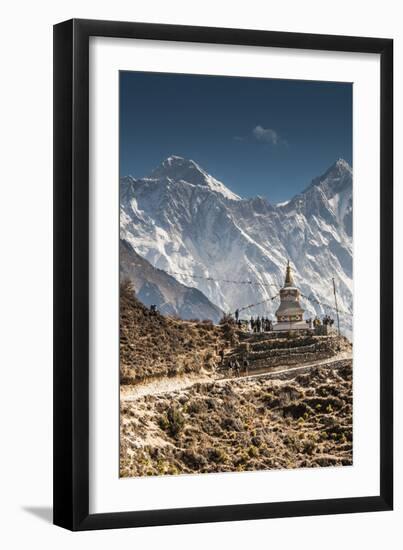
x=258, y=136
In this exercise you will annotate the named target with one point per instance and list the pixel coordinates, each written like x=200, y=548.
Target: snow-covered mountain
x=186, y=222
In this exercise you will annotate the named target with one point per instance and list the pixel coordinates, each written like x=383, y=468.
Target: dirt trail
x=168, y=385
x=162, y=385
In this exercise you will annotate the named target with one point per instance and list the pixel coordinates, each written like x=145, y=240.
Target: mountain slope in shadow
x=155, y=286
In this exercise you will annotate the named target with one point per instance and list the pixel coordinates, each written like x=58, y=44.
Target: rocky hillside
x=184, y=410
x=295, y=421
x=153, y=345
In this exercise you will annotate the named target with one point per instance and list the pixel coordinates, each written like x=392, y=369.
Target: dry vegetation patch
x=152, y=345
x=303, y=421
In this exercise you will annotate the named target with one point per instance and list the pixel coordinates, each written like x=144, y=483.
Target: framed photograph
x=223, y=319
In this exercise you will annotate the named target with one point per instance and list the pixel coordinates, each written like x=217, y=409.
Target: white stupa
x=290, y=315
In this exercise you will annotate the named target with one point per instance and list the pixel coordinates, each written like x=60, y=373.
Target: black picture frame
x=71, y=274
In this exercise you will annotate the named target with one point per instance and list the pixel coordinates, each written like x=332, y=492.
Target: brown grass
x=152, y=345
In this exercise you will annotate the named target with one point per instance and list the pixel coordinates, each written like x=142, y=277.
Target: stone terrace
x=266, y=350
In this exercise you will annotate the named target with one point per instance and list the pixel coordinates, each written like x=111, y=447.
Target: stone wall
x=264, y=351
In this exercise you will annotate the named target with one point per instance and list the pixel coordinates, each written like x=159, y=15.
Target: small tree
x=227, y=319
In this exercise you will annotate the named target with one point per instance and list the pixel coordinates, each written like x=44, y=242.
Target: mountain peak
x=339, y=172
x=176, y=166
x=336, y=177
x=175, y=160
x=340, y=168
x=342, y=165
x=178, y=169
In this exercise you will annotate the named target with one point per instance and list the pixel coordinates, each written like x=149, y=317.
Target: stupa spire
x=290, y=313
x=289, y=281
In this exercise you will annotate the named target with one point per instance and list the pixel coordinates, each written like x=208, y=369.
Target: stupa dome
x=290, y=313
